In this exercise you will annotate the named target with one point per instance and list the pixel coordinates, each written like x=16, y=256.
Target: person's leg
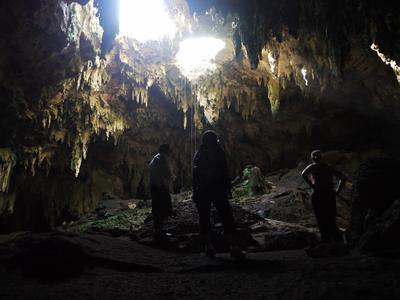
x=224, y=209
x=165, y=210
x=321, y=216
x=158, y=224
x=203, y=206
x=221, y=203
x=156, y=210
x=334, y=231
x=167, y=203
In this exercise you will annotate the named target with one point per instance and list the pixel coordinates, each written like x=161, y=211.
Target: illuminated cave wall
x=74, y=124
x=82, y=113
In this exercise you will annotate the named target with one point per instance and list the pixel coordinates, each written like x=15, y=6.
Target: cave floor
x=117, y=268
x=109, y=254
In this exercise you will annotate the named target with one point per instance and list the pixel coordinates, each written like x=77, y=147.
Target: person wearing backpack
x=211, y=185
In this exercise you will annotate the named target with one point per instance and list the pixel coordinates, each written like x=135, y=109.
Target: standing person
x=160, y=179
x=211, y=184
x=319, y=176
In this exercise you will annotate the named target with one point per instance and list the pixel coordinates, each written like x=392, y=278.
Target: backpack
x=208, y=166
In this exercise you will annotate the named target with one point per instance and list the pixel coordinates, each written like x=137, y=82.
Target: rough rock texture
x=382, y=233
x=375, y=211
x=281, y=219
x=82, y=111
x=67, y=113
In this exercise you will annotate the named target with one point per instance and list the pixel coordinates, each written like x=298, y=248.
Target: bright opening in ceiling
x=145, y=20
x=196, y=55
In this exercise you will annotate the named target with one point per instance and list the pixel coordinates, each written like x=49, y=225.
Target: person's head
x=316, y=156
x=209, y=138
x=164, y=149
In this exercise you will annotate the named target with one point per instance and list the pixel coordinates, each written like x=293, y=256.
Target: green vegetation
x=126, y=220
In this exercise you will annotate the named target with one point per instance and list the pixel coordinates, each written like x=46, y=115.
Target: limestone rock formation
x=83, y=109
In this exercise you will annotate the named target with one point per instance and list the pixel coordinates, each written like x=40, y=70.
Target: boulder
x=383, y=232
x=375, y=190
x=52, y=257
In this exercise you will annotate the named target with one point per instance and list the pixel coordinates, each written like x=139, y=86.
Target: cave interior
x=89, y=90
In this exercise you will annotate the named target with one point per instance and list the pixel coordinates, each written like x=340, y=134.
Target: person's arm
x=341, y=180
x=306, y=176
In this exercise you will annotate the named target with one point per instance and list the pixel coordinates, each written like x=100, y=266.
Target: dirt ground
x=117, y=268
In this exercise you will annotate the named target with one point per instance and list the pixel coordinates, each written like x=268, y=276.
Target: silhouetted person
x=319, y=177
x=160, y=178
x=211, y=185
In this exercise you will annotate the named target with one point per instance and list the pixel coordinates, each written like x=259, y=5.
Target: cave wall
x=64, y=110
x=82, y=112
x=347, y=99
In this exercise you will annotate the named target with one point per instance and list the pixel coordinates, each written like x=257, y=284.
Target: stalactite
x=8, y=161
x=38, y=157
x=280, y=53
x=185, y=120
x=79, y=151
x=140, y=93
x=273, y=94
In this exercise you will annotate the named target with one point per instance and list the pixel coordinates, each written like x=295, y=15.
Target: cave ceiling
x=69, y=79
